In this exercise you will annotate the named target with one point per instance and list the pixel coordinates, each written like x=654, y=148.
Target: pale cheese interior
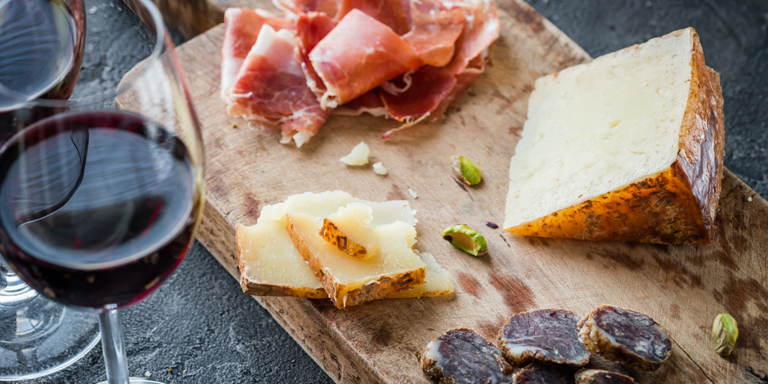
x=600, y=126
x=436, y=282
x=393, y=258
x=271, y=258
x=354, y=221
x=269, y=255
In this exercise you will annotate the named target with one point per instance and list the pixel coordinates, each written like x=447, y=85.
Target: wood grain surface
x=682, y=287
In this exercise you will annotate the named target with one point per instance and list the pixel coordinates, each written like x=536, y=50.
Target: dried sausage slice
x=542, y=374
x=461, y=356
x=628, y=337
x=597, y=376
x=546, y=335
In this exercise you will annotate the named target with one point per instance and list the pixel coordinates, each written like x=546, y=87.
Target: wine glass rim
x=157, y=19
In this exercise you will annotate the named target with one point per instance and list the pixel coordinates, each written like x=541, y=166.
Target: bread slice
x=269, y=263
x=628, y=147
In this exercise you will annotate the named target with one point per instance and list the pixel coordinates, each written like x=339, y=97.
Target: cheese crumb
x=749, y=198
x=379, y=169
x=413, y=193
x=358, y=156
x=147, y=374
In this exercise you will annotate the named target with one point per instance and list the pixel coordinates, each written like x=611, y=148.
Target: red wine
x=97, y=208
x=41, y=49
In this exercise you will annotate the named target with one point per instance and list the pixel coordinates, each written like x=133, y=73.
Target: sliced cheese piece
x=437, y=281
x=349, y=281
x=628, y=147
x=348, y=230
x=269, y=263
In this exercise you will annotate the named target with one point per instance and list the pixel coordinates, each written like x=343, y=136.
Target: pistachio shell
x=466, y=170
x=725, y=332
x=464, y=237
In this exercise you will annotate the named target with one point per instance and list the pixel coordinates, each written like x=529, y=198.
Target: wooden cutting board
x=682, y=287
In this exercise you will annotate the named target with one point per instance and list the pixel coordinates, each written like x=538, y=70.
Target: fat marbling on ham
x=271, y=88
x=404, y=59
x=243, y=27
x=358, y=55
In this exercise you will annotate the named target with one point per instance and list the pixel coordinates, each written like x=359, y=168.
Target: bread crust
x=343, y=296
x=676, y=205
x=255, y=288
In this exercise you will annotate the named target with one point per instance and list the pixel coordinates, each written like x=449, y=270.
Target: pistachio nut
x=724, y=334
x=466, y=170
x=463, y=237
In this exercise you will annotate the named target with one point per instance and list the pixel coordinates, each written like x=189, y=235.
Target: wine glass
x=41, y=49
x=101, y=197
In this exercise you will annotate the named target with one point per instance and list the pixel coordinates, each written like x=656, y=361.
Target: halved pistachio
x=724, y=334
x=466, y=170
x=464, y=237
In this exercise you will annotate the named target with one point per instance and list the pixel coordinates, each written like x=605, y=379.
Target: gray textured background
x=199, y=321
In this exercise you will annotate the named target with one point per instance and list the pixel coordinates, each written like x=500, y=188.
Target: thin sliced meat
x=298, y=7
x=357, y=56
x=242, y=29
x=429, y=94
x=310, y=29
x=369, y=102
x=428, y=87
x=391, y=13
x=475, y=67
x=271, y=89
x=481, y=30
x=434, y=31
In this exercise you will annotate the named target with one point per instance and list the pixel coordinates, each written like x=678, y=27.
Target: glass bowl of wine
x=101, y=194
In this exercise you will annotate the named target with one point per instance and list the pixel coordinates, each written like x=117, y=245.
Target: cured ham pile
x=402, y=59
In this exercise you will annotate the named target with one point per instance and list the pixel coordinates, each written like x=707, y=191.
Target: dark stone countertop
x=204, y=330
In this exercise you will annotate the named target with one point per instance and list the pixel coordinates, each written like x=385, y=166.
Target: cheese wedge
x=349, y=281
x=348, y=230
x=628, y=147
x=437, y=281
x=269, y=263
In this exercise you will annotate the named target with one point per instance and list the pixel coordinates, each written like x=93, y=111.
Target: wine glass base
x=137, y=380
x=39, y=337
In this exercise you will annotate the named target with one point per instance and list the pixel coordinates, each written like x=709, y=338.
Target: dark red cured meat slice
x=428, y=87
x=477, y=35
x=369, y=102
x=542, y=374
x=389, y=12
x=358, y=55
x=463, y=80
x=626, y=336
x=434, y=31
x=545, y=335
x=272, y=89
x=596, y=376
x=461, y=356
x=298, y=7
x=310, y=29
x=242, y=29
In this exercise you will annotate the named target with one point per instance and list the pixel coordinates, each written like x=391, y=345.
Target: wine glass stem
x=113, y=347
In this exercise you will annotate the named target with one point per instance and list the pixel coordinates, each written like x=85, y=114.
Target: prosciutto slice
x=242, y=29
x=357, y=56
x=391, y=13
x=434, y=31
x=271, y=88
x=310, y=29
x=298, y=7
x=481, y=30
x=427, y=88
x=369, y=102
